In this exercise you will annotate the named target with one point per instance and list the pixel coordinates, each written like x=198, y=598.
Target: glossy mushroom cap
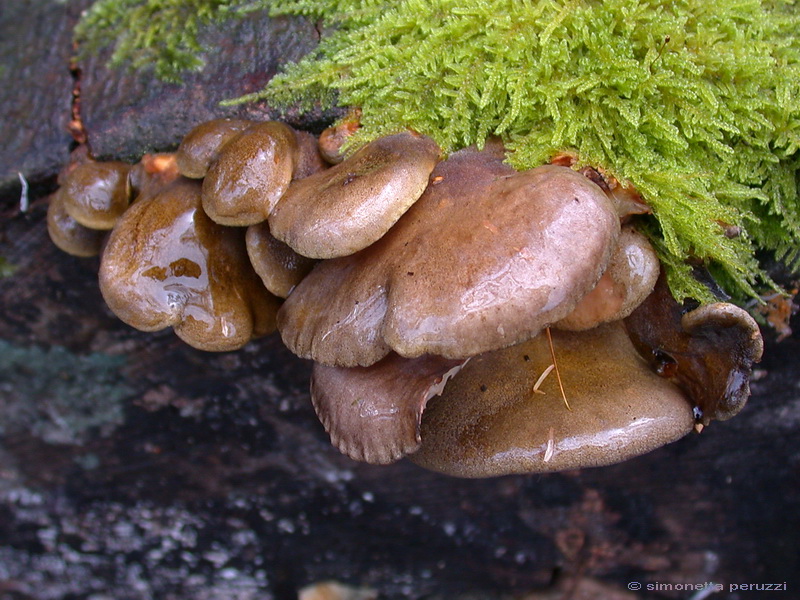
x=96, y=194
x=280, y=268
x=202, y=145
x=346, y=208
x=250, y=175
x=484, y=259
x=167, y=264
x=69, y=235
x=373, y=413
x=489, y=421
x=709, y=352
x=630, y=277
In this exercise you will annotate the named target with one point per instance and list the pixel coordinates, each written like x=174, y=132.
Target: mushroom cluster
x=526, y=301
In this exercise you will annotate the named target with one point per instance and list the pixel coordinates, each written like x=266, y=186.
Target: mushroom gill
x=486, y=258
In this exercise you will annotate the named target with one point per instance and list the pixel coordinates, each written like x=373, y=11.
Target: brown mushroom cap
x=489, y=421
x=373, y=413
x=279, y=267
x=709, y=352
x=69, y=235
x=484, y=259
x=250, y=175
x=201, y=146
x=343, y=209
x=96, y=194
x=630, y=277
x=167, y=264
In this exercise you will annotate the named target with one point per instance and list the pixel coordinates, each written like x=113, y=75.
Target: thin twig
x=555, y=365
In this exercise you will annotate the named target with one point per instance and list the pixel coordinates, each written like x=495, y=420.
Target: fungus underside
x=696, y=104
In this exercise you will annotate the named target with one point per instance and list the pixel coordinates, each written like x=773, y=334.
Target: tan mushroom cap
x=69, y=235
x=167, y=264
x=709, y=352
x=346, y=208
x=201, y=146
x=96, y=194
x=484, y=259
x=279, y=267
x=630, y=277
x=490, y=422
x=250, y=175
x=373, y=413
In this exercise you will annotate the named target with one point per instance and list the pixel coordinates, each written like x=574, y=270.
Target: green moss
x=157, y=34
x=696, y=103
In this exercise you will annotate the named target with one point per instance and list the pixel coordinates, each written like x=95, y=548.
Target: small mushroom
x=373, y=413
x=96, y=194
x=167, y=264
x=630, y=277
x=202, y=145
x=492, y=418
x=69, y=235
x=250, y=175
x=486, y=258
x=709, y=351
x=343, y=209
x=279, y=267
x=333, y=138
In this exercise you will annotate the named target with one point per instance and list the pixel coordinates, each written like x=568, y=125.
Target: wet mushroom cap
x=373, y=413
x=279, y=267
x=201, y=146
x=484, y=259
x=250, y=175
x=630, y=277
x=709, y=352
x=69, y=235
x=344, y=209
x=96, y=194
x=490, y=422
x=167, y=264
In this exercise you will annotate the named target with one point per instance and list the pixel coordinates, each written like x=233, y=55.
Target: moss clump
x=695, y=103
x=161, y=34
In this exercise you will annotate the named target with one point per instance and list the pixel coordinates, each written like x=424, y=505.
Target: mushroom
x=346, y=208
x=251, y=173
x=709, y=351
x=486, y=258
x=630, y=277
x=202, y=145
x=96, y=194
x=167, y=264
x=279, y=267
x=373, y=413
x=333, y=138
x=69, y=235
x=491, y=421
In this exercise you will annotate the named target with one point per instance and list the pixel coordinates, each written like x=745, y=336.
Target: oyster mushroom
x=709, y=351
x=630, y=277
x=69, y=235
x=346, y=208
x=373, y=413
x=279, y=267
x=251, y=173
x=167, y=264
x=490, y=421
x=96, y=194
x=202, y=145
x=486, y=258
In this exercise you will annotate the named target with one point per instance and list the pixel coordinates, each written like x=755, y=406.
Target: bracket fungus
x=96, y=194
x=439, y=278
x=485, y=258
x=490, y=420
x=167, y=264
